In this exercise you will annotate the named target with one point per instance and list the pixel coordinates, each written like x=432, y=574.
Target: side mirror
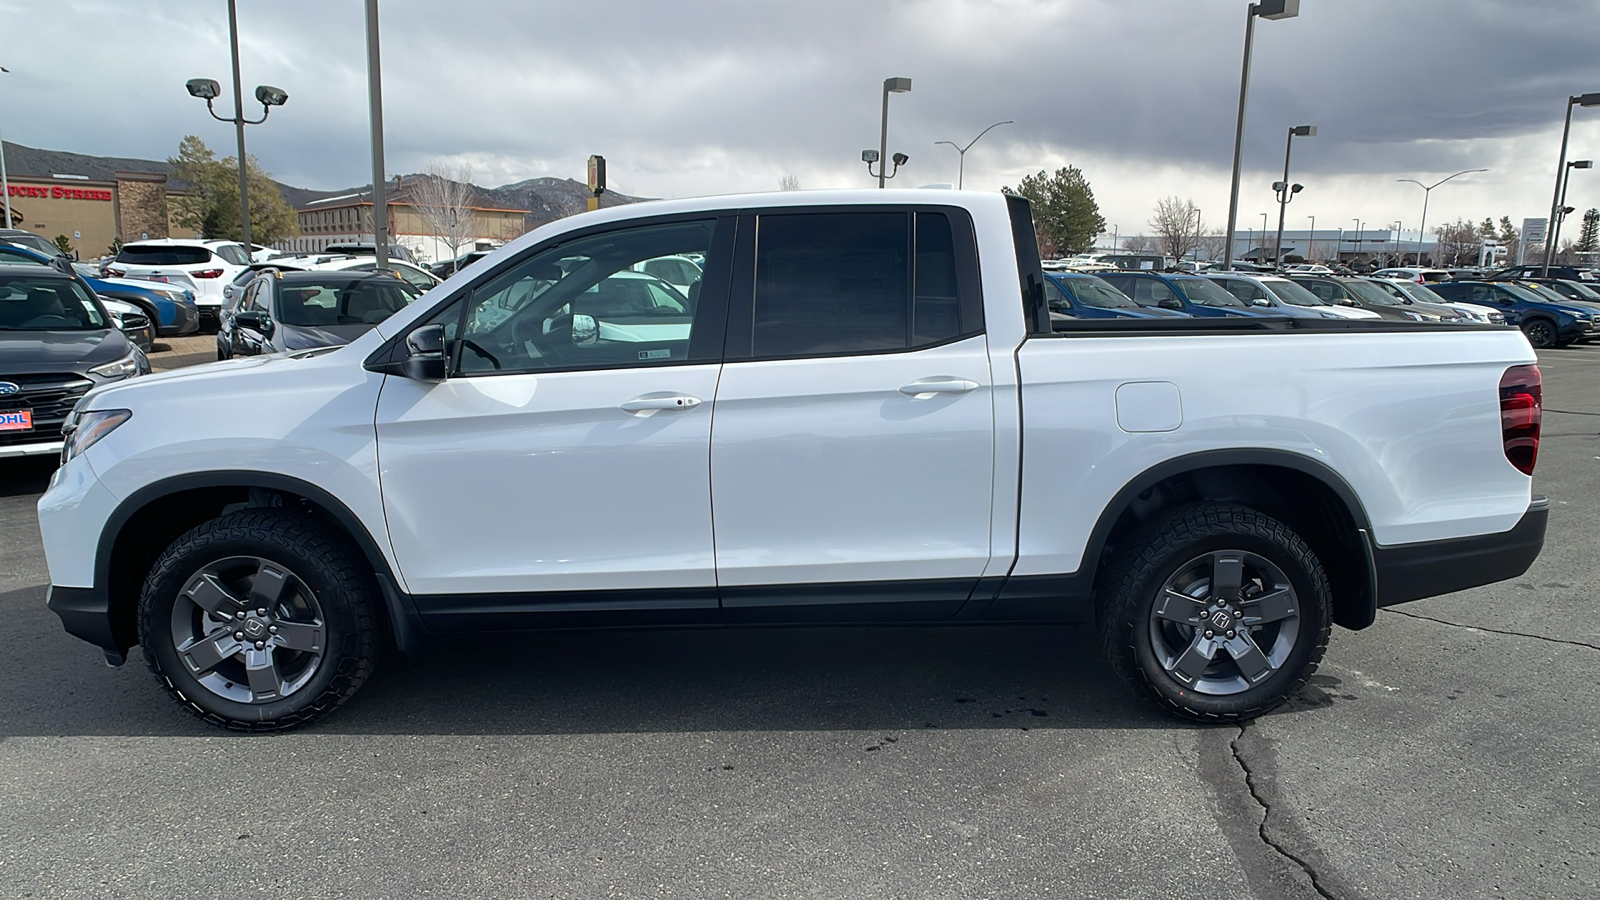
x=252, y=319
x=1171, y=303
x=585, y=330
x=424, y=354
x=1260, y=301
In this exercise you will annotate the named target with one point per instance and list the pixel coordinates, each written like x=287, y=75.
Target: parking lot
x=1448, y=751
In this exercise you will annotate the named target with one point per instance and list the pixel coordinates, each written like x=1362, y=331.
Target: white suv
x=201, y=265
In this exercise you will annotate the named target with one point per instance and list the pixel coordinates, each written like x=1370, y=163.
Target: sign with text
x=58, y=192
x=1533, y=230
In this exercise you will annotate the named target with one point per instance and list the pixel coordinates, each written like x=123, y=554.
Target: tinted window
x=234, y=253
x=1244, y=290
x=47, y=304
x=1205, y=292
x=163, y=255
x=1094, y=292
x=1057, y=300
x=582, y=305
x=1367, y=292
x=1291, y=292
x=854, y=282
x=365, y=302
x=18, y=258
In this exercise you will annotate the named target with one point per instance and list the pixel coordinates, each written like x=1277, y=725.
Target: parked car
x=1080, y=296
x=1364, y=294
x=1584, y=291
x=169, y=308
x=356, y=248
x=1551, y=295
x=1570, y=273
x=420, y=278
x=1193, y=295
x=451, y=266
x=36, y=242
x=202, y=266
x=1213, y=500
x=1309, y=269
x=1279, y=295
x=1546, y=324
x=1420, y=276
x=1402, y=289
x=286, y=311
x=131, y=321
x=56, y=342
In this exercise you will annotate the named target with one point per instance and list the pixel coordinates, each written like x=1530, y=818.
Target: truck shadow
x=751, y=679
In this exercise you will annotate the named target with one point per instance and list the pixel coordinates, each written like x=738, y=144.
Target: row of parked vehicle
x=1552, y=312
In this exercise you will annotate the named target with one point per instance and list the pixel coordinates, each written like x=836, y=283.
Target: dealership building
x=92, y=210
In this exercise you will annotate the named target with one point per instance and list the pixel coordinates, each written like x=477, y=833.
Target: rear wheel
x=259, y=620
x=1215, y=612
x=1541, y=333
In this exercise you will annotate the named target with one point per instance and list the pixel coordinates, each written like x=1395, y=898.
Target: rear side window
x=234, y=253
x=859, y=282
x=159, y=255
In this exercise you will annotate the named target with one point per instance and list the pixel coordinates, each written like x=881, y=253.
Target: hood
x=305, y=337
x=1351, y=312
x=32, y=352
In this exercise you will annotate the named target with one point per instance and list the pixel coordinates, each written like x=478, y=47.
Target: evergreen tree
x=1589, y=235
x=1064, y=212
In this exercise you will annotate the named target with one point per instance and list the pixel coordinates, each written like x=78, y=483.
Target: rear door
x=852, y=444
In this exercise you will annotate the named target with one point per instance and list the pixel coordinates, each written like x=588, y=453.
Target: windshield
x=32, y=242
x=1580, y=290
x=1092, y=291
x=1522, y=293
x=1547, y=294
x=1292, y=293
x=343, y=302
x=1417, y=292
x=1367, y=292
x=48, y=304
x=1205, y=292
x=18, y=258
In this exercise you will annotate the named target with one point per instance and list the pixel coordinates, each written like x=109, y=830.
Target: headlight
x=82, y=430
x=1415, y=317
x=126, y=367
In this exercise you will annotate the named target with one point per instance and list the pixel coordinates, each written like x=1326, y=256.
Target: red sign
x=16, y=420
x=59, y=192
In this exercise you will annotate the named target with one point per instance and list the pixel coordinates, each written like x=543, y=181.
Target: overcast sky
x=686, y=98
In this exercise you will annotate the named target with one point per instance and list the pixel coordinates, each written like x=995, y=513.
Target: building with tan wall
x=93, y=213
x=348, y=218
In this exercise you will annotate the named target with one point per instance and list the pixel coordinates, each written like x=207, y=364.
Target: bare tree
x=1457, y=241
x=443, y=197
x=790, y=182
x=1138, y=243
x=1210, y=243
x=1177, y=226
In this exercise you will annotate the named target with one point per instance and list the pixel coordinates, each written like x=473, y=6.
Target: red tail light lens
x=207, y=273
x=112, y=272
x=1521, y=408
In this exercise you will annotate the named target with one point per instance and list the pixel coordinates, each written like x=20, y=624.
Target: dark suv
x=286, y=311
x=1191, y=294
x=1546, y=323
x=56, y=342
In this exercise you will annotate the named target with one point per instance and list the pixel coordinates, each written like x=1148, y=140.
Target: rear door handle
x=938, y=384
x=648, y=404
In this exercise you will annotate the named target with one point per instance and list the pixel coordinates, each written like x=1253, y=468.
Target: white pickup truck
x=862, y=411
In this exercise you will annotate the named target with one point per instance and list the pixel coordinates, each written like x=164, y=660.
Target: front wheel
x=1215, y=612
x=1541, y=333
x=259, y=620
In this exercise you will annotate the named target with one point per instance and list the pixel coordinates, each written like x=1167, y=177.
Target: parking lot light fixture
x=962, y=165
x=1584, y=100
x=1562, y=209
x=1426, y=190
x=5, y=186
x=890, y=86
x=1266, y=9
x=1286, y=191
x=208, y=90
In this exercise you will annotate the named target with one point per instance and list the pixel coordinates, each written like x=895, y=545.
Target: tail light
x=114, y=272
x=1521, y=405
x=207, y=273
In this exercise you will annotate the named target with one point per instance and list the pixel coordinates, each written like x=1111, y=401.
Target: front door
x=563, y=464
x=853, y=443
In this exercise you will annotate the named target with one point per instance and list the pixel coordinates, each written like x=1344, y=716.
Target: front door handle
x=648, y=404
x=939, y=384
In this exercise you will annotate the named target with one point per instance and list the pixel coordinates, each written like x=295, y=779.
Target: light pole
x=1585, y=100
x=890, y=86
x=1285, y=190
x=5, y=186
x=1562, y=208
x=1426, y=190
x=1357, y=241
x=380, y=209
x=1311, y=242
x=1266, y=9
x=962, y=166
x=208, y=90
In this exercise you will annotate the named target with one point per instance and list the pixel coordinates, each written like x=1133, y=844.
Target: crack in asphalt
x=1521, y=634
x=1266, y=810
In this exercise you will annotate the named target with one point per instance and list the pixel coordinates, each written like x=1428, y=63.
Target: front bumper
x=185, y=321
x=1407, y=572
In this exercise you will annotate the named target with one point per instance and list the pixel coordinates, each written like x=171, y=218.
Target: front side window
x=582, y=304
x=860, y=282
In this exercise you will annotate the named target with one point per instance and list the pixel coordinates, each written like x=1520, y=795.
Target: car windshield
x=368, y=301
x=11, y=257
x=1205, y=292
x=1581, y=290
x=33, y=242
x=1547, y=294
x=1367, y=292
x=1417, y=292
x=1522, y=293
x=1292, y=293
x=1091, y=291
x=47, y=304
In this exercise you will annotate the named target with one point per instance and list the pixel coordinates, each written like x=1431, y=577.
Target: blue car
x=171, y=309
x=1189, y=294
x=1545, y=322
x=1081, y=296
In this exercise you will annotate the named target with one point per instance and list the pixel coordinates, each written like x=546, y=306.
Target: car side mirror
x=585, y=330
x=1170, y=303
x=253, y=319
x=1260, y=301
x=424, y=358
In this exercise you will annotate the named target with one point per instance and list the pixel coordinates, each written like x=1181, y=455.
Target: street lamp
x=1266, y=9
x=1562, y=208
x=961, y=171
x=1426, y=190
x=5, y=186
x=1311, y=242
x=208, y=90
x=1285, y=190
x=890, y=86
x=1357, y=240
x=1584, y=100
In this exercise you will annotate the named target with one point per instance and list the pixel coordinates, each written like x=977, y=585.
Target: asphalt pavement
x=1448, y=751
